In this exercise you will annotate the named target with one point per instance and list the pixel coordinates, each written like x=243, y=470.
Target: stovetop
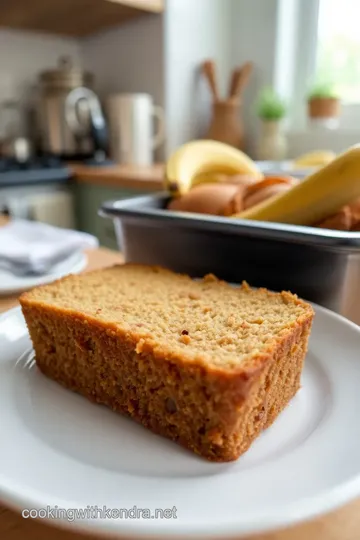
x=38, y=169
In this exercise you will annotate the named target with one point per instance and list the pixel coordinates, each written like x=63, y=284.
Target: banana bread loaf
x=203, y=363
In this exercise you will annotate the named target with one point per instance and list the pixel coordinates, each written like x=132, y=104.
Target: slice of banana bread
x=204, y=363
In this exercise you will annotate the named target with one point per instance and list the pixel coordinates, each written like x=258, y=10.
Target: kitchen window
x=338, y=47
x=328, y=50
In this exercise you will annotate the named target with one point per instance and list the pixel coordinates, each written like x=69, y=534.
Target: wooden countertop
x=122, y=176
x=343, y=524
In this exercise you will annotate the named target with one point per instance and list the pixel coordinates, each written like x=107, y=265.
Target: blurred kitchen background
x=96, y=94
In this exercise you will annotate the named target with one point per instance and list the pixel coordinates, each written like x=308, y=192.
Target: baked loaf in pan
x=204, y=363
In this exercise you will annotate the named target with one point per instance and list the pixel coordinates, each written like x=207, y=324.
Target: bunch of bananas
x=204, y=161
x=316, y=159
x=201, y=164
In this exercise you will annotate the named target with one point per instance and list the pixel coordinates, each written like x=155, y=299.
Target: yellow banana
x=199, y=159
x=316, y=197
x=319, y=158
x=208, y=178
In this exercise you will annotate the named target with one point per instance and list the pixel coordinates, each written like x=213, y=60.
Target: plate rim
x=275, y=519
x=265, y=523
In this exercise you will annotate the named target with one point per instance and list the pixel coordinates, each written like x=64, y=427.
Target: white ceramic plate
x=11, y=284
x=56, y=448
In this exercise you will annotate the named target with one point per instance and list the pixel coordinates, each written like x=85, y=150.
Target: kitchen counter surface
x=122, y=176
x=343, y=524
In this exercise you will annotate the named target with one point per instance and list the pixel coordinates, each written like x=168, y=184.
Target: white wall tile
x=23, y=55
x=253, y=38
x=194, y=31
x=128, y=58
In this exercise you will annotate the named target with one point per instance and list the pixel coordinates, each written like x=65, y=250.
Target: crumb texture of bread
x=203, y=363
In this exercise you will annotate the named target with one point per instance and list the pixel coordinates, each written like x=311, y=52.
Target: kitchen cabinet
x=73, y=17
x=88, y=199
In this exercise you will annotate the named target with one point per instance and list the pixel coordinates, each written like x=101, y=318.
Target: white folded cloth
x=29, y=247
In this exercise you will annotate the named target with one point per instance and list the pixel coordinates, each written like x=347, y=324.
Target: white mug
x=131, y=127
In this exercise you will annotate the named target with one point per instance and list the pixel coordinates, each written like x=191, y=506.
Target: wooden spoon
x=239, y=79
x=209, y=70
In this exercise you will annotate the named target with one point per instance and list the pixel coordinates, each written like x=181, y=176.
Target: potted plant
x=323, y=102
x=271, y=110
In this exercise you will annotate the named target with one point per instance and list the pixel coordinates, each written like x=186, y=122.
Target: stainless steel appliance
x=319, y=265
x=37, y=189
x=70, y=115
x=37, y=170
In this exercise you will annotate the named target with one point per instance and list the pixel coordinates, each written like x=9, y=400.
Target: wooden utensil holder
x=226, y=125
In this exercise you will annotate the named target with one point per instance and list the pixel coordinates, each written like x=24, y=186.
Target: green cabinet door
x=88, y=200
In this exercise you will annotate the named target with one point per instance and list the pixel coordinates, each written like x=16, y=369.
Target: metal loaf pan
x=320, y=265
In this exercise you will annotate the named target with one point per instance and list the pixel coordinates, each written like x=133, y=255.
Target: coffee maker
x=70, y=117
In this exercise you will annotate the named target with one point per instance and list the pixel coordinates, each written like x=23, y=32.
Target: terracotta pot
x=324, y=108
